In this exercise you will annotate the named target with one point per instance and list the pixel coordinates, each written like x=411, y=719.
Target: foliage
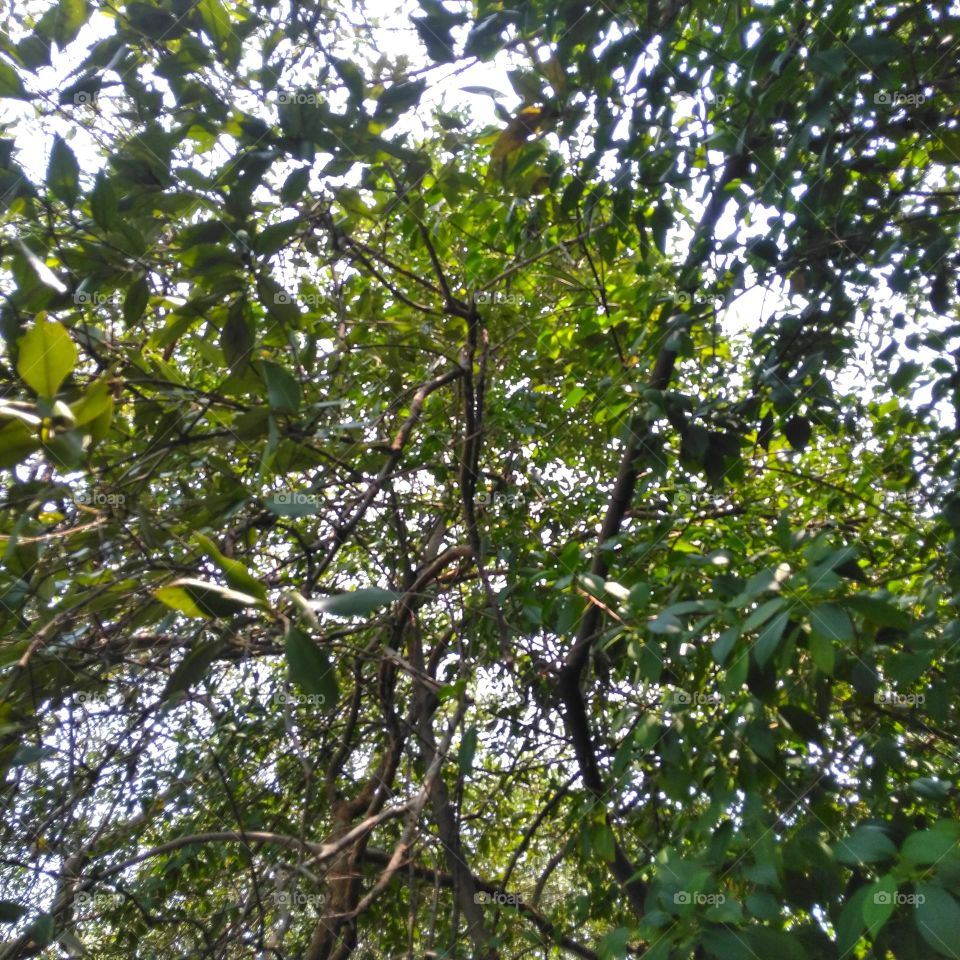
x=444, y=523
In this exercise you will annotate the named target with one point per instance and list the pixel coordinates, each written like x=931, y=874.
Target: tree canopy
x=479, y=480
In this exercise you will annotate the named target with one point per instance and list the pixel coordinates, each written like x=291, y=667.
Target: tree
x=430, y=536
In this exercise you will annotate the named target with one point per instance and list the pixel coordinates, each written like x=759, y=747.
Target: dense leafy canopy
x=479, y=480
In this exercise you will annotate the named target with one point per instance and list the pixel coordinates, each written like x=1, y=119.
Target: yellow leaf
x=520, y=128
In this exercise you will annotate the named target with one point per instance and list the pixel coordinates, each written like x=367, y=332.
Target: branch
x=319, y=851
x=341, y=533
x=520, y=264
x=570, y=675
x=416, y=808
x=448, y=880
x=403, y=298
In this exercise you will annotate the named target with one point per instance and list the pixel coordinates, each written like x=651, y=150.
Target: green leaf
x=665, y=623
x=803, y=723
x=135, y=302
x=351, y=75
x=11, y=86
x=103, y=202
x=399, y=98
x=763, y=613
x=63, y=171
x=237, y=338
x=435, y=35
x=278, y=303
x=154, y=22
x=193, y=668
x=467, y=751
x=760, y=583
x=938, y=843
x=876, y=49
x=768, y=642
x=907, y=372
x=47, y=357
x=765, y=431
x=11, y=911
x=867, y=844
x=236, y=574
x=217, y=25
x=753, y=942
x=766, y=942
x=724, y=644
x=614, y=944
x=277, y=235
x=96, y=400
x=603, y=842
x=33, y=51
x=797, y=431
x=832, y=61
x=355, y=603
x=948, y=150
x=722, y=943
x=831, y=622
x=197, y=598
x=822, y=652
x=484, y=39
x=69, y=17
x=310, y=669
x=17, y=442
x=294, y=186
x=44, y=274
x=931, y=788
x=851, y=924
x=573, y=398
x=937, y=916
x=283, y=391
x=878, y=611
x=879, y=903
x=41, y=930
